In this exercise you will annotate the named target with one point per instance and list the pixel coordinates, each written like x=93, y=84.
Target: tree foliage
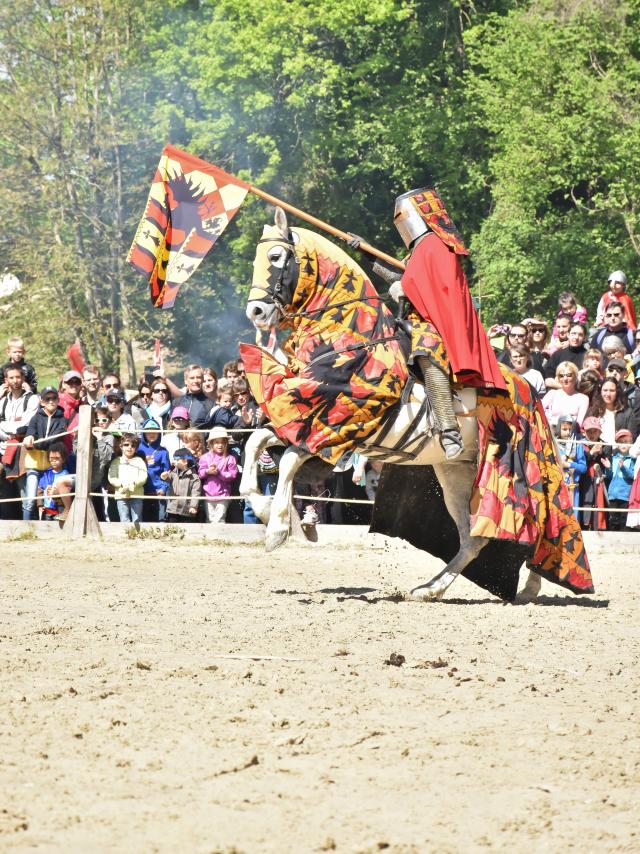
x=525, y=113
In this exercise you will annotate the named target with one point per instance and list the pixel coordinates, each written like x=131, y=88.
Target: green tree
x=554, y=87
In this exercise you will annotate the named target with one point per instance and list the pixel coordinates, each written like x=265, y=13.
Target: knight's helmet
x=419, y=211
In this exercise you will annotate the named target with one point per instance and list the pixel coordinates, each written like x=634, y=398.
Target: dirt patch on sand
x=161, y=696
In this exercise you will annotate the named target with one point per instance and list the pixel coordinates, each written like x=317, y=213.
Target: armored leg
x=439, y=390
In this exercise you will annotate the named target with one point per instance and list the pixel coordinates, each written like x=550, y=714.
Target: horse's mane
x=317, y=242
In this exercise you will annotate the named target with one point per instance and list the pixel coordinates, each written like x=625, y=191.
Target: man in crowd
x=574, y=352
x=615, y=325
x=193, y=398
x=91, y=385
x=17, y=407
x=517, y=334
x=560, y=339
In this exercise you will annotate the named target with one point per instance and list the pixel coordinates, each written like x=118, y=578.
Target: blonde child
x=217, y=469
x=193, y=440
x=128, y=474
x=15, y=353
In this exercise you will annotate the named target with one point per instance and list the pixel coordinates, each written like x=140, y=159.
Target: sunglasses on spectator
x=50, y=399
x=73, y=382
x=102, y=421
x=538, y=329
x=112, y=385
x=146, y=393
x=517, y=334
x=159, y=390
x=615, y=368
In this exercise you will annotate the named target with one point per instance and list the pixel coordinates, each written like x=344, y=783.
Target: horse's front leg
x=279, y=521
x=456, y=480
x=257, y=442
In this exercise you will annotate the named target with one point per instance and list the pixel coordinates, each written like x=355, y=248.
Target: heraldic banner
x=190, y=204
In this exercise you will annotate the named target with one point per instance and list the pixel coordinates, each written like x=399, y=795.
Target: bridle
x=279, y=285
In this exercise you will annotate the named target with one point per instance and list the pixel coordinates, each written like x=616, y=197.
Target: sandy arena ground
x=133, y=718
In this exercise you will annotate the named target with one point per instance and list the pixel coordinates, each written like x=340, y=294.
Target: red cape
x=436, y=285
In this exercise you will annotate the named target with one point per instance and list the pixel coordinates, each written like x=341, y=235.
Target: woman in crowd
x=137, y=406
x=610, y=406
x=159, y=407
x=566, y=400
x=210, y=384
x=537, y=340
x=589, y=383
x=521, y=362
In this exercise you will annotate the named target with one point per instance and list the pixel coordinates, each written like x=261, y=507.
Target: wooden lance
x=343, y=235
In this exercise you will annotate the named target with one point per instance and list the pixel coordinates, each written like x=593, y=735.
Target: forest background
x=525, y=114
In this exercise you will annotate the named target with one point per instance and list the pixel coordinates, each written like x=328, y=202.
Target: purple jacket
x=217, y=485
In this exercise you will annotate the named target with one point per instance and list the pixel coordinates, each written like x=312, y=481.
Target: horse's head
x=275, y=273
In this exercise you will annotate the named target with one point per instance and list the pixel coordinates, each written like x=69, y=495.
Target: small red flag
x=190, y=204
x=75, y=357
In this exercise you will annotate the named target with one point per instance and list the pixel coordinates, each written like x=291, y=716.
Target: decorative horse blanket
x=346, y=366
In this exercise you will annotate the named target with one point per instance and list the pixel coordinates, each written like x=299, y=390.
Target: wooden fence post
x=82, y=520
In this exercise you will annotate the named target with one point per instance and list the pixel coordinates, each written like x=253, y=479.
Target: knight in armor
x=448, y=342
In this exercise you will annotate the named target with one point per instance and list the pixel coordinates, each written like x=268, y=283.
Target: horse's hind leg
x=456, y=480
x=530, y=590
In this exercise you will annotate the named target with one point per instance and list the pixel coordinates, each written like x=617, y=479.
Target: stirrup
x=452, y=444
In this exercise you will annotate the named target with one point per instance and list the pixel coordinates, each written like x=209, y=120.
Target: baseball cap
x=180, y=412
x=185, y=454
x=617, y=363
x=592, y=423
x=115, y=394
x=49, y=389
x=217, y=433
x=71, y=375
x=623, y=434
x=150, y=424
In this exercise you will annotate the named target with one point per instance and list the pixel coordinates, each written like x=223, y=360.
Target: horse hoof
x=426, y=594
x=274, y=541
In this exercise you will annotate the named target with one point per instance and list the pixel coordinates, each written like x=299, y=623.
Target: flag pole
x=343, y=235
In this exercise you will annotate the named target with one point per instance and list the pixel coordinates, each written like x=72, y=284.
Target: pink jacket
x=217, y=485
x=557, y=402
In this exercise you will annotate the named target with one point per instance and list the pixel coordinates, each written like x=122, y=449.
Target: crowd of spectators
x=174, y=453
x=588, y=378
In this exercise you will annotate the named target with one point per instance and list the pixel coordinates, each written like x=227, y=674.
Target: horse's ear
x=281, y=223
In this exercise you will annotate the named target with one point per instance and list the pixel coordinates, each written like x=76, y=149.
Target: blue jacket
x=620, y=476
x=155, y=468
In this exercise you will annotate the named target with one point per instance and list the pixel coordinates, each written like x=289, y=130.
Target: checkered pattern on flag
x=190, y=204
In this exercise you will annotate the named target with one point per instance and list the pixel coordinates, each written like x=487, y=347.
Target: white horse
x=405, y=437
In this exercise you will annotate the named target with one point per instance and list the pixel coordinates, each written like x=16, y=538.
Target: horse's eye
x=276, y=256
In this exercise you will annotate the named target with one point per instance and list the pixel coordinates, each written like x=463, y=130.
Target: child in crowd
x=617, y=293
x=158, y=462
x=16, y=353
x=217, y=469
x=48, y=420
x=593, y=361
x=102, y=456
x=567, y=304
x=223, y=415
x=128, y=475
x=620, y=479
x=572, y=456
x=593, y=492
x=193, y=440
x=54, y=484
x=179, y=422
x=185, y=487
